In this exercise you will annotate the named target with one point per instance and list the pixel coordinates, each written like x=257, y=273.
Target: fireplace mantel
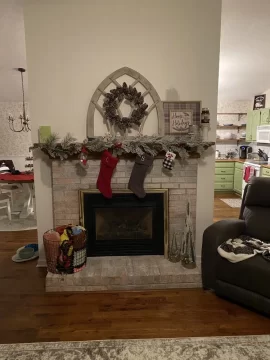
x=184, y=146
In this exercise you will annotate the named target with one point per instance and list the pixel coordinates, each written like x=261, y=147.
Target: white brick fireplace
x=139, y=272
x=68, y=177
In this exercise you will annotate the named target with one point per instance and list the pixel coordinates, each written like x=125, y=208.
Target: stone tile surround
x=68, y=177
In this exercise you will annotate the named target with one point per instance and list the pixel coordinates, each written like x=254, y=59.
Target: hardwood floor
x=28, y=314
x=221, y=209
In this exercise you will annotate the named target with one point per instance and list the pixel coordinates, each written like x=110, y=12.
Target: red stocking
x=107, y=166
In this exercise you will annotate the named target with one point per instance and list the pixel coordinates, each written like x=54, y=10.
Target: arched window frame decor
x=112, y=79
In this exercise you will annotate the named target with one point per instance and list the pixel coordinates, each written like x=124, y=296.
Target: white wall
x=72, y=46
x=13, y=146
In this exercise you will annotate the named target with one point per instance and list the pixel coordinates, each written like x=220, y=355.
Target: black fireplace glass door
x=127, y=223
x=124, y=225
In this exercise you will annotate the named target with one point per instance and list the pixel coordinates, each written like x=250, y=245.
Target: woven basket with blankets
x=65, y=249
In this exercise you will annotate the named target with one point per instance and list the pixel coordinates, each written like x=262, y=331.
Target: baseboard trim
x=42, y=263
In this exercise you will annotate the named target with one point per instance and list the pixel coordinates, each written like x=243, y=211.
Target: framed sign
x=180, y=121
x=179, y=115
x=259, y=102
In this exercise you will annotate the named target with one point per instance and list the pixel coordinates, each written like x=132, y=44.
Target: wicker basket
x=51, y=241
x=65, y=257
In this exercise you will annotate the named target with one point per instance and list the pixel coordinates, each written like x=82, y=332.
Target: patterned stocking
x=168, y=162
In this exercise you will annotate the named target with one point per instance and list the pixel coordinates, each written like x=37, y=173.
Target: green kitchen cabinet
x=224, y=175
x=249, y=126
x=224, y=186
x=253, y=120
x=265, y=172
x=224, y=164
x=256, y=121
x=229, y=176
x=224, y=171
x=224, y=178
x=238, y=180
x=265, y=116
x=239, y=165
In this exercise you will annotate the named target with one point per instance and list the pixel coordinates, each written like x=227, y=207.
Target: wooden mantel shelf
x=221, y=141
x=230, y=127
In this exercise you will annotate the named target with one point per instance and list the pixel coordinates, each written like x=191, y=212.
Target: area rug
x=234, y=203
x=210, y=348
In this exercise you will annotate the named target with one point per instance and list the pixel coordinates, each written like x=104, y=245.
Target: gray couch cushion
x=252, y=274
x=257, y=220
x=243, y=296
x=258, y=193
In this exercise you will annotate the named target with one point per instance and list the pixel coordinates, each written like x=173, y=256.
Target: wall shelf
x=221, y=141
x=239, y=114
x=230, y=127
x=237, y=141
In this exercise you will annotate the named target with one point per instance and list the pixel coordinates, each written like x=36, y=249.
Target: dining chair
x=5, y=204
x=6, y=188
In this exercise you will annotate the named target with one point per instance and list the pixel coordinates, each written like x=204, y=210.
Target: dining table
x=26, y=181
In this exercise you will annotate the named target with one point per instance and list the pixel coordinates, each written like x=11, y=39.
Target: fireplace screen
x=124, y=223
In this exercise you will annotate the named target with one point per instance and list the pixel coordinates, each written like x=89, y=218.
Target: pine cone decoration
x=115, y=97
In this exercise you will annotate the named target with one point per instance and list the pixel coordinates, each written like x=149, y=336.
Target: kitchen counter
x=232, y=160
x=266, y=166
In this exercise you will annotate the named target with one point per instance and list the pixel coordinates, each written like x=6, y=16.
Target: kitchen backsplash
x=255, y=146
x=224, y=148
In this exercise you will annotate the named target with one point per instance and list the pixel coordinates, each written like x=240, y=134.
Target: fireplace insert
x=124, y=225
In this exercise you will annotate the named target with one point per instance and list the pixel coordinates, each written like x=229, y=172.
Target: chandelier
x=24, y=120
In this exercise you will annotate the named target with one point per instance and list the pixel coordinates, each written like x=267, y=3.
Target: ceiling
x=244, y=53
x=244, y=49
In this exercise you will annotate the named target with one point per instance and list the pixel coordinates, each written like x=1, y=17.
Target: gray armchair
x=246, y=282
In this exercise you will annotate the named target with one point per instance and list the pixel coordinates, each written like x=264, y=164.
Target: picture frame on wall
x=259, y=102
x=179, y=115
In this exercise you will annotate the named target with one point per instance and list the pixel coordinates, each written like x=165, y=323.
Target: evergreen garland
x=63, y=150
x=153, y=145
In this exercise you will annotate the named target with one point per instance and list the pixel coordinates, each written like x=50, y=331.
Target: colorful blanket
x=72, y=249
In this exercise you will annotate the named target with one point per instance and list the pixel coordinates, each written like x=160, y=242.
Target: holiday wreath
x=113, y=100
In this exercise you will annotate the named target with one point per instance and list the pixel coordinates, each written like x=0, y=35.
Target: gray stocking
x=142, y=164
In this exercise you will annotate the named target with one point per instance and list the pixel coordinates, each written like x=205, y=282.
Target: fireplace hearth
x=125, y=225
